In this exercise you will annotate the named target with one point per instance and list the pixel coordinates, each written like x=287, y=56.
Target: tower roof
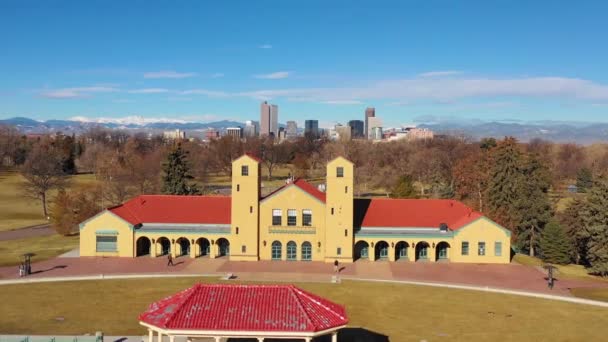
x=221, y=307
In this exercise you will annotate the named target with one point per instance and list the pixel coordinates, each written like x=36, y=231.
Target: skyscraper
x=269, y=119
x=370, y=112
x=291, y=129
x=252, y=129
x=356, y=127
x=311, y=128
x=373, y=122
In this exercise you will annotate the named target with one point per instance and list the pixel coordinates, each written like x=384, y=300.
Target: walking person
x=170, y=260
x=336, y=266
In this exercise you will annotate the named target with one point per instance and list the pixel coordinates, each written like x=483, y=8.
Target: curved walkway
x=417, y=283
x=27, y=232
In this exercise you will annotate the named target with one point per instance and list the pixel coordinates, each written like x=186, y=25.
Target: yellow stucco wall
x=245, y=209
x=339, y=210
x=106, y=221
x=483, y=230
x=292, y=197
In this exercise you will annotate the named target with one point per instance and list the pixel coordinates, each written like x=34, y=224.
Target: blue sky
x=210, y=60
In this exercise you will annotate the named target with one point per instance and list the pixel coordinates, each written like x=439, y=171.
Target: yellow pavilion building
x=297, y=222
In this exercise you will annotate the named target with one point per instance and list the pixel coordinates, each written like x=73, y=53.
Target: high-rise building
x=373, y=122
x=211, y=134
x=370, y=112
x=343, y=133
x=356, y=127
x=252, y=129
x=174, y=135
x=291, y=129
x=376, y=133
x=269, y=119
x=235, y=132
x=311, y=128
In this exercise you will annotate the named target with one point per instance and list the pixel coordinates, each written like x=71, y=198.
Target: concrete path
x=22, y=233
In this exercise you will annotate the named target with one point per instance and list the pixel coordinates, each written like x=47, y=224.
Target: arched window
x=276, y=250
x=306, y=251
x=292, y=251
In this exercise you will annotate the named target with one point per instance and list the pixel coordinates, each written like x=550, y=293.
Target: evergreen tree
x=176, y=174
x=532, y=204
x=572, y=221
x=404, y=188
x=504, y=183
x=584, y=179
x=555, y=245
x=595, y=218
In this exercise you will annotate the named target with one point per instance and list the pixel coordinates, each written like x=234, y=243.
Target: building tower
x=244, y=216
x=339, y=232
x=370, y=112
x=264, y=119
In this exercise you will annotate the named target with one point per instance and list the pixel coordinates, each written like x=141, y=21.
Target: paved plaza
x=511, y=276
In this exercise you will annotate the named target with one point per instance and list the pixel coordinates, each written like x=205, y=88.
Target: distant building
x=212, y=134
x=357, y=128
x=235, y=132
x=415, y=133
x=343, y=133
x=174, y=135
x=282, y=134
x=252, y=129
x=311, y=128
x=370, y=112
x=269, y=119
x=372, y=122
x=376, y=133
x=291, y=130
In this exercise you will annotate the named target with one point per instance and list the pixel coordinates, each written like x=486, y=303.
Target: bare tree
x=43, y=172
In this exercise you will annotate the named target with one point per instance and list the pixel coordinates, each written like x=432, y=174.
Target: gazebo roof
x=220, y=307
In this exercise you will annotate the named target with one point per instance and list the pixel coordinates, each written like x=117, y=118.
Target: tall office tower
x=264, y=119
x=274, y=120
x=291, y=129
x=356, y=127
x=370, y=112
x=235, y=132
x=311, y=128
x=251, y=129
x=372, y=122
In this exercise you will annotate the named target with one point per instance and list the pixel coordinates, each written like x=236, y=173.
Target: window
x=339, y=251
x=340, y=172
x=465, y=248
x=243, y=249
x=481, y=248
x=497, y=248
x=345, y=232
x=292, y=251
x=276, y=250
x=244, y=170
x=346, y=189
x=237, y=230
x=291, y=217
x=332, y=211
x=306, y=251
x=307, y=217
x=276, y=217
x=238, y=187
x=106, y=244
x=251, y=209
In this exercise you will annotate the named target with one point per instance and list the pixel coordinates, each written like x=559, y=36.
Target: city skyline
x=413, y=63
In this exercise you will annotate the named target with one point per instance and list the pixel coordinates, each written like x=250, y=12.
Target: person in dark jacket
x=170, y=260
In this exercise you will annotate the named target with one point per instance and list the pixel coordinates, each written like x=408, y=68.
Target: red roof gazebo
x=243, y=311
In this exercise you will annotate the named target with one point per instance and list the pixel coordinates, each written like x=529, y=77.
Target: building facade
x=297, y=222
x=311, y=128
x=370, y=112
x=374, y=123
x=235, y=132
x=357, y=127
x=269, y=119
x=252, y=129
x=291, y=129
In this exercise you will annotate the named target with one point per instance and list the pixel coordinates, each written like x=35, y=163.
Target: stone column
x=152, y=249
x=334, y=336
x=260, y=339
x=193, y=249
x=150, y=335
x=160, y=337
x=212, y=250
x=171, y=338
x=391, y=252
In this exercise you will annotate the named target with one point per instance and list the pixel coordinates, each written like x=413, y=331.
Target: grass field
x=600, y=294
x=402, y=312
x=45, y=247
x=16, y=210
x=563, y=271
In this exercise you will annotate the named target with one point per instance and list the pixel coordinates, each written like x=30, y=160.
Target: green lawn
x=16, y=210
x=563, y=271
x=402, y=312
x=600, y=294
x=45, y=247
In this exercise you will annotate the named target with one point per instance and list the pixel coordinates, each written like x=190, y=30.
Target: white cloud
x=169, y=74
x=440, y=73
x=129, y=120
x=77, y=92
x=265, y=46
x=122, y=101
x=343, y=102
x=217, y=75
x=149, y=91
x=210, y=93
x=273, y=76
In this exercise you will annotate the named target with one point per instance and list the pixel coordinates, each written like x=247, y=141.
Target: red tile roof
x=175, y=209
x=304, y=185
x=419, y=213
x=209, y=307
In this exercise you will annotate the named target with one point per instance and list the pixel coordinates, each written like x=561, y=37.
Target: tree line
x=519, y=185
